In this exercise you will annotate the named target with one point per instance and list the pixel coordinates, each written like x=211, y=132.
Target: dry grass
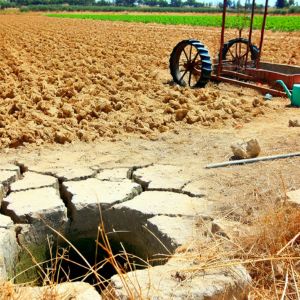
x=274, y=248
x=51, y=270
x=270, y=252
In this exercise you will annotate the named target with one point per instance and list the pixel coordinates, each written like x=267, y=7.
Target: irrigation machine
x=239, y=62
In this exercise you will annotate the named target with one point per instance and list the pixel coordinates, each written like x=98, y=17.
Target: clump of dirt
x=213, y=105
x=249, y=149
x=101, y=79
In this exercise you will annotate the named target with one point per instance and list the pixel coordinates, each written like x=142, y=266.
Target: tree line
x=54, y=2
x=162, y=3
x=159, y=3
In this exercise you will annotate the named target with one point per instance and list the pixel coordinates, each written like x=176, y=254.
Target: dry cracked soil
x=79, y=93
x=102, y=89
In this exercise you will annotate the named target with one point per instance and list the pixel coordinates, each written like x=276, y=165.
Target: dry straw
x=270, y=251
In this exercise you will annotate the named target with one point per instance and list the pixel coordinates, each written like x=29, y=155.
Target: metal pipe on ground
x=251, y=160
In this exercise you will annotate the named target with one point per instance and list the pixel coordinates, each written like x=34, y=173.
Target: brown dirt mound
x=67, y=80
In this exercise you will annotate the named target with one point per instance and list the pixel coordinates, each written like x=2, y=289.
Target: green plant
x=290, y=23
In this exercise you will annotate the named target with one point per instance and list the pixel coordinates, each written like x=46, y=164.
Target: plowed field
x=63, y=80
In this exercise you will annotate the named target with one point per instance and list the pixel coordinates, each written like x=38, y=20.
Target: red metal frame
x=261, y=76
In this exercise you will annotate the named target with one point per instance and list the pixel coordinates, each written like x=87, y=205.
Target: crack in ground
x=145, y=184
x=23, y=168
x=177, y=191
x=18, y=231
x=145, y=187
x=134, y=168
x=67, y=197
x=63, y=193
x=62, y=179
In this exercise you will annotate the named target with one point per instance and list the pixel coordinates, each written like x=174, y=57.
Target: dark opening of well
x=90, y=263
x=54, y=260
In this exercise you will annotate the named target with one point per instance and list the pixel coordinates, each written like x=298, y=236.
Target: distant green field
x=276, y=23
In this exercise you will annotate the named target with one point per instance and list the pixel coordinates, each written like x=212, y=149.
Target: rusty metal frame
x=250, y=31
x=250, y=76
x=262, y=33
x=262, y=89
x=222, y=37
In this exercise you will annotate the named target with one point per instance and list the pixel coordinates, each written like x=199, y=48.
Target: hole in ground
x=87, y=261
x=47, y=259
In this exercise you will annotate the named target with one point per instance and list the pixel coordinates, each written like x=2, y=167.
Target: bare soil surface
x=103, y=90
x=81, y=93
x=238, y=191
x=68, y=80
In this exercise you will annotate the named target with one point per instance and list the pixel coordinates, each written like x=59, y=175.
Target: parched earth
x=69, y=80
x=103, y=90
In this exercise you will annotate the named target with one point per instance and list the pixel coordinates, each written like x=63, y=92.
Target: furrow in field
x=67, y=80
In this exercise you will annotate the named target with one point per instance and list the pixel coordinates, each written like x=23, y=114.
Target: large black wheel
x=190, y=64
x=235, y=52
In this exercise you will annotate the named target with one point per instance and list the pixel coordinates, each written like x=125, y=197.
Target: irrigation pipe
x=251, y=160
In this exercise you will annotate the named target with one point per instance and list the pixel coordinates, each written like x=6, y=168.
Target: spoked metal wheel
x=236, y=51
x=190, y=64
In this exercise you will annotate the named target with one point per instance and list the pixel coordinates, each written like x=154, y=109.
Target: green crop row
x=276, y=23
